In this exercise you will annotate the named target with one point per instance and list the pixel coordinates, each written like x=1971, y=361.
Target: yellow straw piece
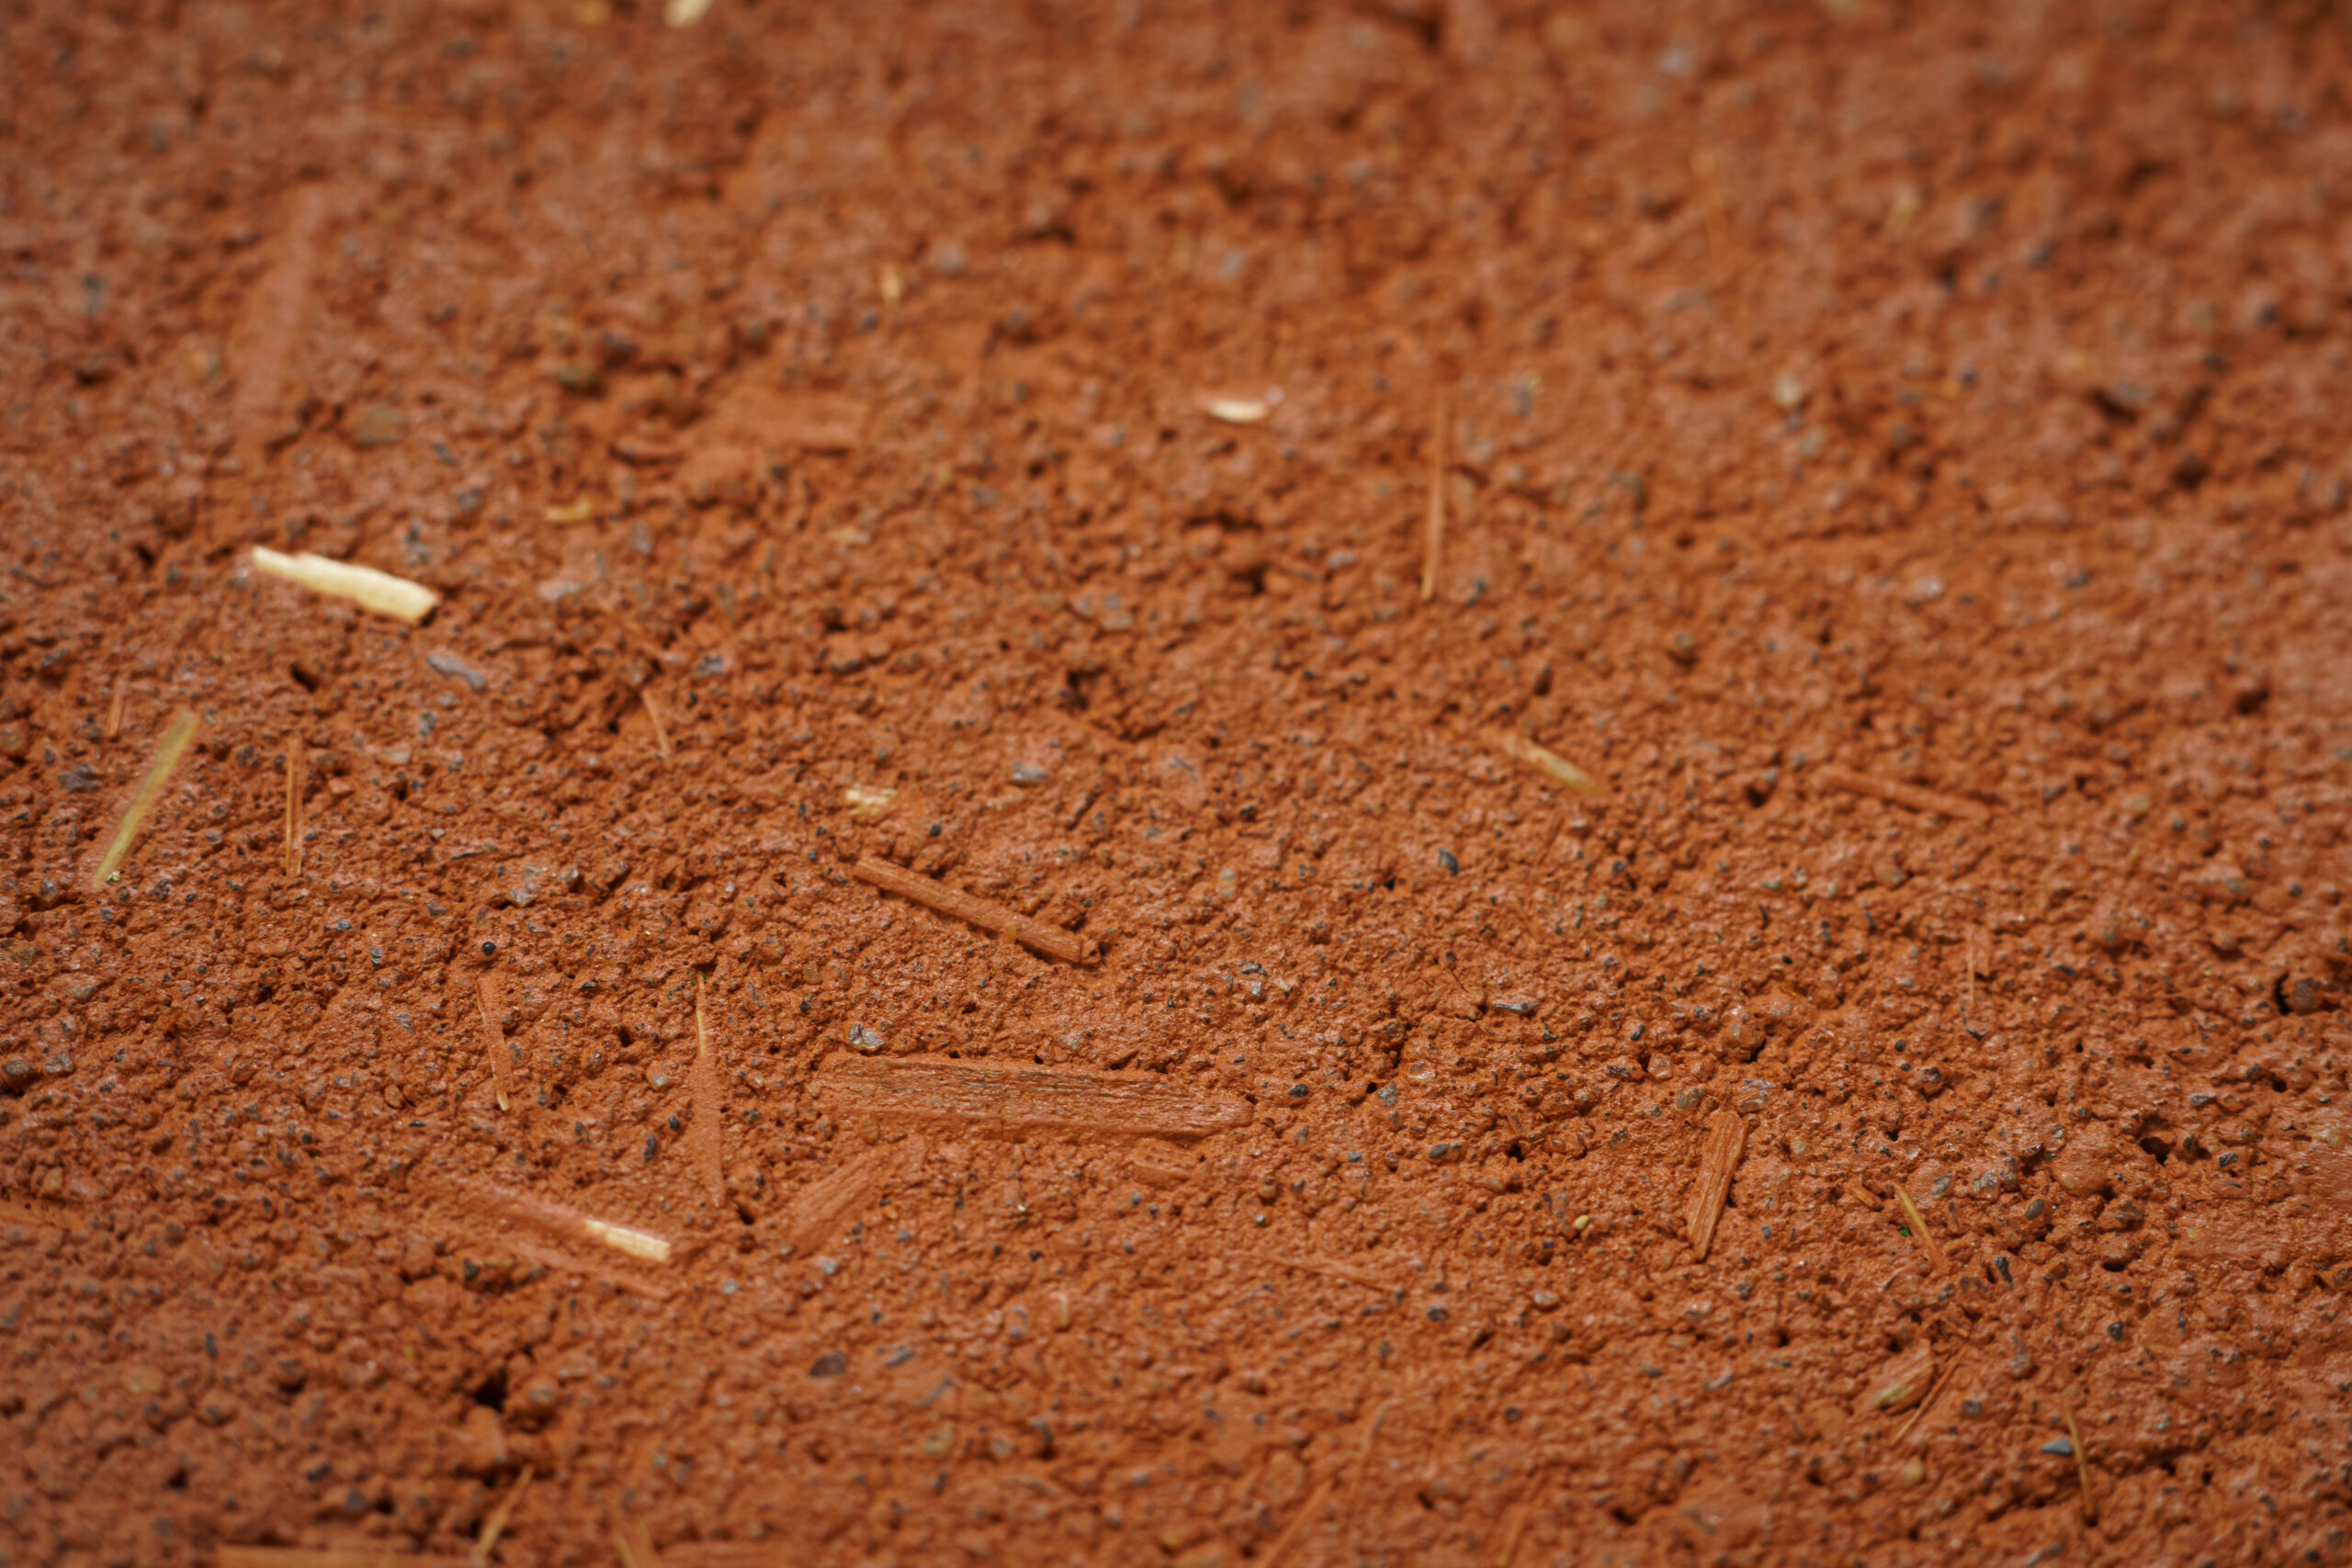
x=167, y=757
x=363, y=586
x=636, y=1244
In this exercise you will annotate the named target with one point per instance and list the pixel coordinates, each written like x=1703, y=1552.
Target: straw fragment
x=560, y=1220
x=1433, y=526
x=1900, y=1383
x=1551, y=765
x=363, y=586
x=159, y=773
x=1236, y=411
x=661, y=730
x=1918, y=1228
x=702, y=1131
x=328, y=1557
x=868, y=802
x=634, y=1542
x=685, y=13
x=496, y=1525
x=1933, y=802
x=1035, y=935
x=1309, y=1513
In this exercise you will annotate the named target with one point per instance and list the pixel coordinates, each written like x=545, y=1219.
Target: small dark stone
x=16, y=1073
x=1452, y=867
x=457, y=668
x=79, y=779
x=831, y=1364
x=2064, y=1448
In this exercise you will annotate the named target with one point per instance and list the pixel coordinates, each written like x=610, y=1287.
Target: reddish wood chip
x=994, y=919
x=1011, y=1098
x=1726, y=1141
x=1918, y=799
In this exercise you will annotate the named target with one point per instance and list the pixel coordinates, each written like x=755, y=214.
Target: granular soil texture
x=1895, y=454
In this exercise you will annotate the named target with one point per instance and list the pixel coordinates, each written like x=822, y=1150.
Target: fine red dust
x=1867, y=780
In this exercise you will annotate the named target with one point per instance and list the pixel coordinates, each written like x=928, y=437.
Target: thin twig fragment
x=702, y=1131
x=1947, y=1381
x=1933, y=802
x=1433, y=526
x=496, y=1525
x=114, y=712
x=661, y=730
x=501, y=1074
x=1035, y=935
x=1551, y=765
x=633, y=1541
x=1919, y=1227
x=1309, y=1512
x=363, y=586
x=1515, y=1525
x=328, y=1557
x=297, y=767
x=2082, y=1461
x=1007, y=1097
x=1325, y=1266
x=159, y=773
x=1726, y=1141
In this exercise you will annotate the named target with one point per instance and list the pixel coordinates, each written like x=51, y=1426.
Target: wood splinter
x=1433, y=526
x=1726, y=1141
x=502, y=1073
x=1933, y=802
x=1035, y=935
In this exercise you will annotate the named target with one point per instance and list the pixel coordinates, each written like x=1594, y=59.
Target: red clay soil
x=1899, y=450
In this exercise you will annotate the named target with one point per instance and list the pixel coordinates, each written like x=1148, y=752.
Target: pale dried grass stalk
x=363, y=586
x=159, y=774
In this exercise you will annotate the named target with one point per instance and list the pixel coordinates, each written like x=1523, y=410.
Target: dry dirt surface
x=1196, y=785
